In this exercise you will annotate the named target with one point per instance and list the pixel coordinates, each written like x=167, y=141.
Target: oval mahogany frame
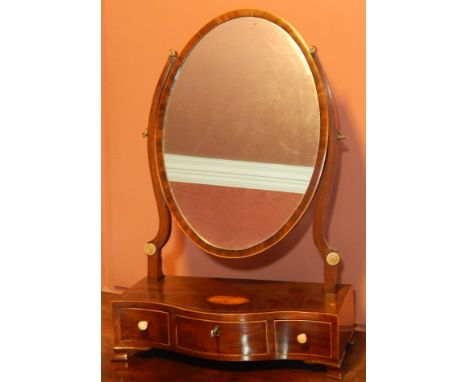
x=157, y=120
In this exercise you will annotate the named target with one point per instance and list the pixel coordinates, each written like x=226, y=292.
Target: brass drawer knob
x=302, y=338
x=215, y=331
x=142, y=325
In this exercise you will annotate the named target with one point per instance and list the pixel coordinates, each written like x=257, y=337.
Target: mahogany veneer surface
x=160, y=365
x=177, y=315
x=264, y=296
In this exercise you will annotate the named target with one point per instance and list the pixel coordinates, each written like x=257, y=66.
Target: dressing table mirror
x=242, y=140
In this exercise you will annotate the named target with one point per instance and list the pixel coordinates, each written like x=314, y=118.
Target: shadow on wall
x=349, y=220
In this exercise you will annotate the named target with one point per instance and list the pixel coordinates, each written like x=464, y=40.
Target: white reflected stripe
x=234, y=173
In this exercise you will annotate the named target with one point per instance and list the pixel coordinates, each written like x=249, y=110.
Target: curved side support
x=153, y=248
x=330, y=256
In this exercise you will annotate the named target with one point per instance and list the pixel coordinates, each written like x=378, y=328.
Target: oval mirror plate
x=241, y=133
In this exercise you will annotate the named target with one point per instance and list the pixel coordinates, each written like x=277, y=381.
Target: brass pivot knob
x=142, y=325
x=215, y=331
x=333, y=258
x=302, y=338
x=340, y=136
x=150, y=249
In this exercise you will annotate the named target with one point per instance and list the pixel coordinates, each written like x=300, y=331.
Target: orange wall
x=136, y=38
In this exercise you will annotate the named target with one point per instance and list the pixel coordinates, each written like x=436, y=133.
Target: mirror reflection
x=241, y=132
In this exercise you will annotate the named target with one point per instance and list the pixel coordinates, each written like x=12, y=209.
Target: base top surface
x=260, y=295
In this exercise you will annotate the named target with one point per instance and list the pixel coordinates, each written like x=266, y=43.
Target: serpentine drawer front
x=144, y=325
x=221, y=337
x=303, y=337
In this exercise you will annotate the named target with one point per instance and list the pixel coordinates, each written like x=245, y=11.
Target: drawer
x=144, y=325
x=303, y=337
x=232, y=338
